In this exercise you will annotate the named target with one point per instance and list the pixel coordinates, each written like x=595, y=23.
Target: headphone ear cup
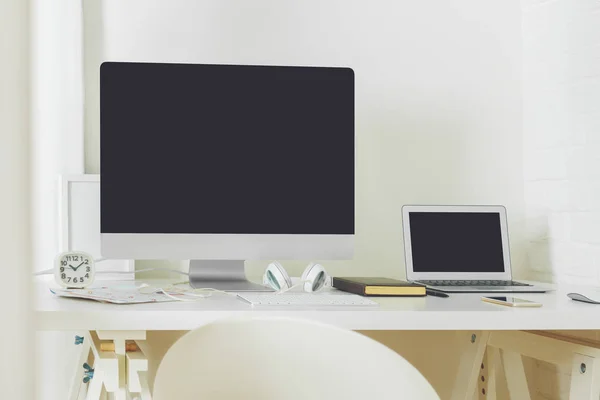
x=314, y=277
x=306, y=271
x=276, y=277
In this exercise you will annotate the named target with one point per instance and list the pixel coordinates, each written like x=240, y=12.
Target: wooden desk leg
x=77, y=378
x=95, y=387
x=489, y=369
x=145, y=392
x=137, y=367
x=469, y=367
x=516, y=380
x=119, y=338
x=585, y=378
x=106, y=371
x=583, y=354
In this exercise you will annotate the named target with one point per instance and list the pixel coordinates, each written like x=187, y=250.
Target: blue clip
x=78, y=340
x=89, y=373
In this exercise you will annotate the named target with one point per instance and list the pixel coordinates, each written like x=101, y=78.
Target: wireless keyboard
x=305, y=299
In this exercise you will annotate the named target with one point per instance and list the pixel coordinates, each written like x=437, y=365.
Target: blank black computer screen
x=456, y=242
x=226, y=149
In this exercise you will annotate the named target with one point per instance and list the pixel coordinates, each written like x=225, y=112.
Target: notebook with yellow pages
x=378, y=286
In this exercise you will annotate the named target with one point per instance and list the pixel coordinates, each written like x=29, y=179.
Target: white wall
x=561, y=94
x=438, y=88
x=57, y=143
x=56, y=115
x=562, y=138
x=16, y=380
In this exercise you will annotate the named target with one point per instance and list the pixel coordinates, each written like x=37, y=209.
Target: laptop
x=460, y=249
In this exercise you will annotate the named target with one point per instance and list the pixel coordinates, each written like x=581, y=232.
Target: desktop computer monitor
x=224, y=163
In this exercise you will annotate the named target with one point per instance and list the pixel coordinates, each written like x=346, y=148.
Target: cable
x=290, y=288
x=163, y=291
x=51, y=271
x=171, y=289
x=44, y=272
x=175, y=271
x=281, y=291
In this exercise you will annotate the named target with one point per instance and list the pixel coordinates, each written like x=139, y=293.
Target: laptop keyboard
x=471, y=283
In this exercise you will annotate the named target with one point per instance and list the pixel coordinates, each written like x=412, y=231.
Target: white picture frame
x=79, y=224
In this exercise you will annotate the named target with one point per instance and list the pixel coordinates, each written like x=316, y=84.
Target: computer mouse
x=580, y=297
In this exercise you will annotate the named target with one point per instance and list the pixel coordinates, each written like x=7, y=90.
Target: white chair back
x=271, y=359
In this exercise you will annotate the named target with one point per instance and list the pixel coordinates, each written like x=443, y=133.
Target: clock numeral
x=75, y=258
x=69, y=279
x=88, y=269
x=62, y=269
x=63, y=263
x=63, y=276
x=74, y=280
x=86, y=262
x=87, y=276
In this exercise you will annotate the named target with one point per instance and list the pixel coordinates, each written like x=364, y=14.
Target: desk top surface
x=458, y=312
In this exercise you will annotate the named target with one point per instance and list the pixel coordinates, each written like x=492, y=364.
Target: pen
x=436, y=293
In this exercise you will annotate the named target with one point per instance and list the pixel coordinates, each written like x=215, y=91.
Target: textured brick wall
x=561, y=88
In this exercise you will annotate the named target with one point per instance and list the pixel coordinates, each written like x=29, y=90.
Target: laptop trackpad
x=494, y=288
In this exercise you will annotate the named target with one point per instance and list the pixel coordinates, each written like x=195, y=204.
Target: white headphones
x=313, y=278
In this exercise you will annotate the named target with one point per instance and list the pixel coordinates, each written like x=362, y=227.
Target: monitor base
x=226, y=275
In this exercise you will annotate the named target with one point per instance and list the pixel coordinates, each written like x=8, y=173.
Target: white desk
x=492, y=333
x=458, y=312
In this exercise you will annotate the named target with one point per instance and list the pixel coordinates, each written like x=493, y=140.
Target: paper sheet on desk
x=113, y=295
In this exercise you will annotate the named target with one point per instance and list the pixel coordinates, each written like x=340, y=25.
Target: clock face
x=74, y=269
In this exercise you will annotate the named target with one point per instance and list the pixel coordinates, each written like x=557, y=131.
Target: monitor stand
x=227, y=275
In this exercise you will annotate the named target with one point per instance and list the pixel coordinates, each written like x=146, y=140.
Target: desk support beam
x=471, y=359
x=111, y=367
x=516, y=380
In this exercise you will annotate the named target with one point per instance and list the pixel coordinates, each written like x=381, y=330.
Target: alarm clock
x=74, y=269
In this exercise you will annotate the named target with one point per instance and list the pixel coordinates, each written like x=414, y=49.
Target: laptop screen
x=456, y=242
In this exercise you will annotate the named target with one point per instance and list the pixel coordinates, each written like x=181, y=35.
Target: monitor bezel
x=148, y=246
x=207, y=246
